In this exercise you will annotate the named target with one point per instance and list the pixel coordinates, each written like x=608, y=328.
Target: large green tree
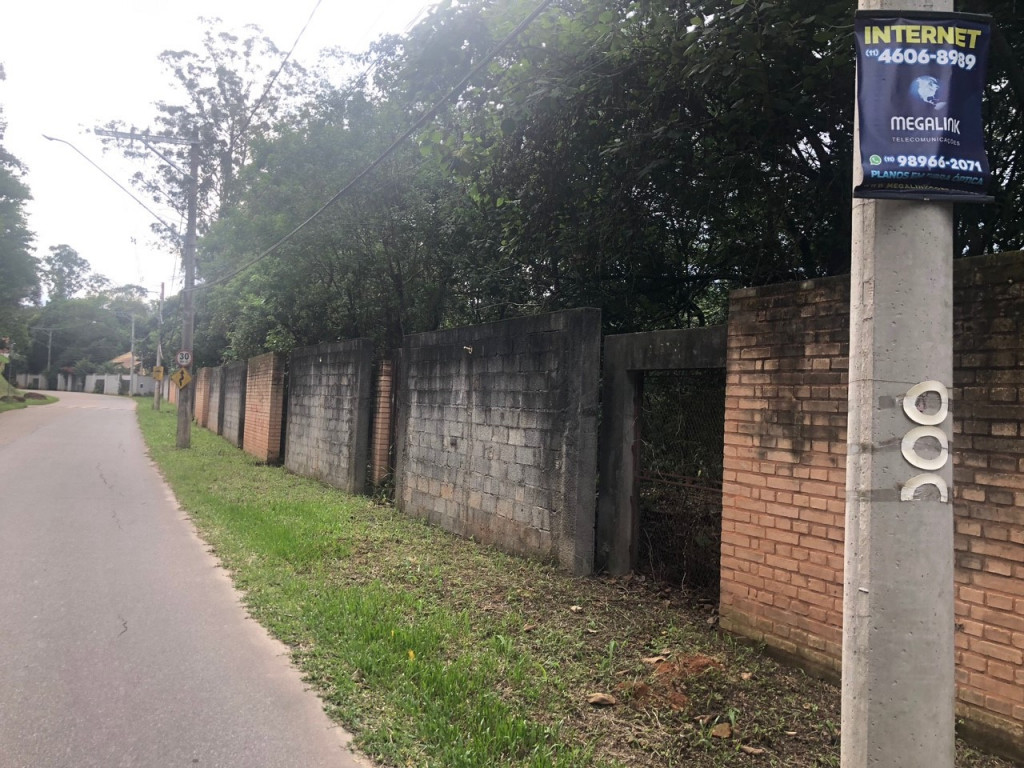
x=379, y=263
x=641, y=157
x=232, y=91
x=19, y=278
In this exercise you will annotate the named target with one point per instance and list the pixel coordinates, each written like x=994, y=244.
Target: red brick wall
x=380, y=442
x=201, y=405
x=264, y=407
x=783, y=497
x=988, y=479
x=784, y=477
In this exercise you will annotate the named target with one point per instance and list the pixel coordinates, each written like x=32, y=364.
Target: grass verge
x=435, y=651
x=12, y=399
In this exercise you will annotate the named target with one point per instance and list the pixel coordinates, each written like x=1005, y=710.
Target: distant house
x=125, y=361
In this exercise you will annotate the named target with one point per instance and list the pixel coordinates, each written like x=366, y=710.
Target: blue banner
x=920, y=78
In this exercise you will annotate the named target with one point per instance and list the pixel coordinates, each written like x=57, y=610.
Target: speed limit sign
x=184, y=358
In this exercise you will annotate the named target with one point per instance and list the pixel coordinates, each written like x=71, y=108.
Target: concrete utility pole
x=131, y=371
x=183, y=438
x=49, y=343
x=898, y=658
x=158, y=389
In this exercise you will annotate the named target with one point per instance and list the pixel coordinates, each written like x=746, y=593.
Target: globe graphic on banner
x=926, y=89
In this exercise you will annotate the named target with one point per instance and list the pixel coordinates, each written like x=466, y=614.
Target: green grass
x=435, y=651
x=417, y=679
x=7, y=390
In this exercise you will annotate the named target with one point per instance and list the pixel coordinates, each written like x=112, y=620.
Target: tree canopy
x=19, y=279
x=643, y=157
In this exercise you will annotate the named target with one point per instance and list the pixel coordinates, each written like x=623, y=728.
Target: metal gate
x=678, y=484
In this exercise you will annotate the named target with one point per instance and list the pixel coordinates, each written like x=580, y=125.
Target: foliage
x=644, y=158
x=231, y=92
x=380, y=264
x=85, y=333
x=66, y=274
x=19, y=279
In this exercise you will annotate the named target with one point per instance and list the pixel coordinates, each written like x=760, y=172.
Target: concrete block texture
x=215, y=412
x=626, y=357
x=492, y=415
x=783, y=514
x=233, y=389
x=328, y=431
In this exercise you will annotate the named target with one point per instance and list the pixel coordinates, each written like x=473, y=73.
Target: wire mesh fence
x=679, y=480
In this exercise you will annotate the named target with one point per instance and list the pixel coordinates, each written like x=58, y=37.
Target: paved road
x=121, y=641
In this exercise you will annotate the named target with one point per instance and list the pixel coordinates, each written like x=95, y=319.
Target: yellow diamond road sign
x=158, y=372
x=181, y=377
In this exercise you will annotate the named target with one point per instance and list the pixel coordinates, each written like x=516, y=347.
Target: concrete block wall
x=109, y=383
x=215, y=401
x=201, y=403
x=264, y=407
x=328, y=427
x=497, y=433
x=626, y=358
x=234, y=402
x=785, y=480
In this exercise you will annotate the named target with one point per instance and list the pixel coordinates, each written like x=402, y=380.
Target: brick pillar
x=264, y=407
x=380, y=444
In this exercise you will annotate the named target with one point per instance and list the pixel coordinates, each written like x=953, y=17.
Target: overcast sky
x=73, y=65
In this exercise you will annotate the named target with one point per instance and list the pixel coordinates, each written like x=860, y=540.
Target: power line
x=119, y=184
x=280, y=69
x=423, y=120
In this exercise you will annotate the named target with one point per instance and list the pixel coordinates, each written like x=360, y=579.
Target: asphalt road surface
x=122, y=643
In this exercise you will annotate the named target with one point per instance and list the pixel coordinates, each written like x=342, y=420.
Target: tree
x=94, y=328
x=642, y=158
x=19, y=279
x=379, y=263
x=234, y=90
x=67, y=274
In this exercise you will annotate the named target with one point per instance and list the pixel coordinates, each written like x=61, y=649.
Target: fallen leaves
x=654, y=659
x=602, y=700
x=722, y=731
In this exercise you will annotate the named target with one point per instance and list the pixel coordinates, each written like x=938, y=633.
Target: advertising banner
x=920, y=78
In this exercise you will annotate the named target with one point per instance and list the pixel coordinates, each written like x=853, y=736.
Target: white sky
x=73, y=65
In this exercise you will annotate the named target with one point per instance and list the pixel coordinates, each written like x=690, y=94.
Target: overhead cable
x=423, y=120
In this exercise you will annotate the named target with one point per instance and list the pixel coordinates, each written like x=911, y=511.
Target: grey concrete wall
x=215, y=416
x=496, y=435
x=625, y=358
x=328, y=426
x=111, y=382
x=234, y=402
